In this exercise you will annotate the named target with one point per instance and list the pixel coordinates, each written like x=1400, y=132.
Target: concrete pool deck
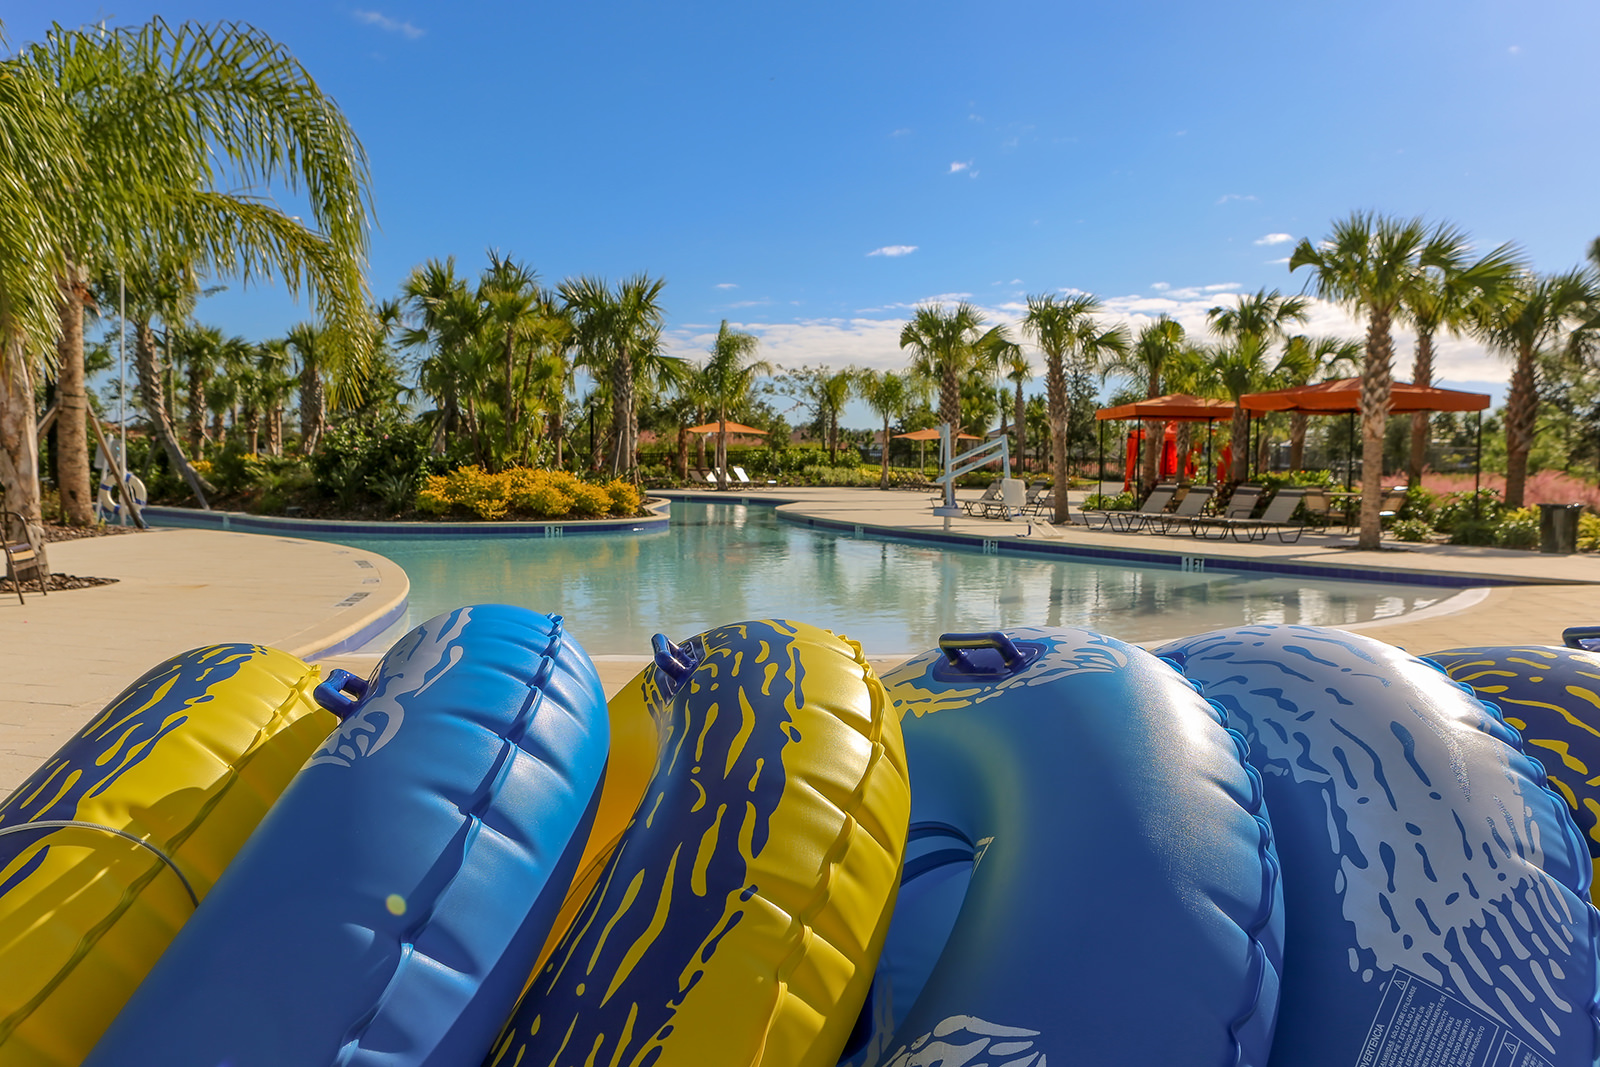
x=64, y=656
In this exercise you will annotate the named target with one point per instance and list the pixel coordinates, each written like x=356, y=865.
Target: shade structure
x=1174, y=407
x=1344, y=395
x=931, y=434
x=733, y=427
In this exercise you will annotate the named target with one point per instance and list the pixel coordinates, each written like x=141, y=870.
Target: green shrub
x=1518, y=528
x=1103, y=502
x=1472, y=532
x=1411, y=530
x=1588, y=532
x=385, y=461
x=1459, y=507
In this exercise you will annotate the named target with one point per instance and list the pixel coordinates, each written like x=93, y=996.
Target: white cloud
x=1161, y=287
x=1515, y=49
x=1275, y=239
x=1278, y=262
x=749, y=303
x=893, y=250
x=384, y=22
x=1222, y=288
x=957, y=168
x=1223, y=199
x=727, y=285
x=902, y=132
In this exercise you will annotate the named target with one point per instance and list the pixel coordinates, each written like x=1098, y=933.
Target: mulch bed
x=56, y=583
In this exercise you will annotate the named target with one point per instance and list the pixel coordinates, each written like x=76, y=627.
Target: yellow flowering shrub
x=523, y=493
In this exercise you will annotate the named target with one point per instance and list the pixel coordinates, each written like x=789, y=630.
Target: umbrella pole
x=1100, y=460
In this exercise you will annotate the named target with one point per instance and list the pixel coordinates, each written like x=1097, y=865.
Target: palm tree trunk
x=1184, y=442
x=1376, y=387
x=19, y=442
x=252, y=428
x=1056, y=393
x=622, y=413
x=1022, y=429
x=1240, y=444
x=1263, y=448
x=950, y=401
x=1522, y=415
x=722, y=450
x=883, y=456
x=312, y=404
x=197, y=406
x=557, y=430
x=1297, y=440
x=683, y=453
x=1150, y=461
x=72, y=416
x=1421, y=422
x=152, y=397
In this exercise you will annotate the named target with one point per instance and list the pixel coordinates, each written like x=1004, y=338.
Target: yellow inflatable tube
x=107, y=849
x=740, y=915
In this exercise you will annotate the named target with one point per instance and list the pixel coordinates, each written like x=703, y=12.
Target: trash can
x=1558, y=528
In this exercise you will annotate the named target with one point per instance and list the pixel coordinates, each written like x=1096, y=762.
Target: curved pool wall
x=891, y=589
x=331, y=529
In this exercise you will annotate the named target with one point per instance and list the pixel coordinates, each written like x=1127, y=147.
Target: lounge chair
x=1241, y=505
x=1278, y=517
x=1154, y=507
x=1187, y=511
x=21, y=554
x=1393, y=500
x=979, y=508
x=1319, y=507
x=1041, y=498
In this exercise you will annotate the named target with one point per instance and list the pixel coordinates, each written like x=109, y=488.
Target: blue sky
x=812, y=171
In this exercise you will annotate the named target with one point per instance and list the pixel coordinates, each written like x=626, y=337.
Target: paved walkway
x=63, y=657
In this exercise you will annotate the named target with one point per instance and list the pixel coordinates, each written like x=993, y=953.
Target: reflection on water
x=720, y=563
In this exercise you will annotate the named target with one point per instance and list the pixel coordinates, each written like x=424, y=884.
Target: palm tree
x=887, y=394
x=831, y=392
x=1067, y=330
x=728, y=376
x=1449, y=297
x=179, y=129
x=41, y=163
x=512, y=311
x=1014, y=365
x=1156, y=347
x=1370, y=263
x=446, y=323
x=1308, y=359
x=1538, y=313
x=614, y=331
x=945, y=345
x=305, y=343
x=1252, y=325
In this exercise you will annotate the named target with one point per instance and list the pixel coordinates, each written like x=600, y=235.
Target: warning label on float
x=1420, y=1025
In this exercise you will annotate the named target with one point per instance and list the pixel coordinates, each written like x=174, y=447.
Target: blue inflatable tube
x=1089, y=874
x=1426, y=865
x=391, y=905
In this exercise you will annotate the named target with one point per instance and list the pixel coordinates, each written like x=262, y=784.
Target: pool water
x=721, y=563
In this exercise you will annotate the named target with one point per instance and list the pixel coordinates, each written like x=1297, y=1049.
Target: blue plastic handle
x=342, y=693
x=955, y=647
x=1584, y=637
x=675, y=661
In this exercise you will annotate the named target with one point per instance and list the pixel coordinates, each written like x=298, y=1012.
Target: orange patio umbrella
x=733, y=427
x=1174, y=407
x=932, y=434
x=1344, y=395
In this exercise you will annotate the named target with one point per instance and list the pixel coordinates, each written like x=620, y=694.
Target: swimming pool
x=720, y=563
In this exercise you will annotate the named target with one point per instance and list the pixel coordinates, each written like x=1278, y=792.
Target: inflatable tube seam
x=1255, y=806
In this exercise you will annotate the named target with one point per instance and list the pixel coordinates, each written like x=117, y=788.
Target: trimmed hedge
x=523, y=493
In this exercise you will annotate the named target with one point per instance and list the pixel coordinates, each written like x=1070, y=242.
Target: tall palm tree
x=830, y=391
x=196, y=350
x=1156, y=347
x=41, y=162
x=446, y=324
x=1248, y=329
x=181, y=128
x=512, y=313
x=945, y=344
x=615, y=331
x=1015, y=367
x=1449, y=297
x=1540, y=312
x=1066, y=330
x=305, y=344
x=887, y=394
x=1370, y=263
x=728, y=376
x=1313, y=359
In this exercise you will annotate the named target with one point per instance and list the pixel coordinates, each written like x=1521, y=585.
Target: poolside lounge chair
x=978, y=508
x=1241, y=505
x=1154, y=507
x=1041, y=498
x=1319, y=507
x=1187, y=510
x=1279, y=518
x=1393, y=500
x=21, y=554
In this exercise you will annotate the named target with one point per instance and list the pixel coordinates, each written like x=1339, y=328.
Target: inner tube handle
x=674, y=660
x=332, y=694
x=955, y=646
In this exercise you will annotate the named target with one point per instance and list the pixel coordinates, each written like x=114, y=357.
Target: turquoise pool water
x=721, y=563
